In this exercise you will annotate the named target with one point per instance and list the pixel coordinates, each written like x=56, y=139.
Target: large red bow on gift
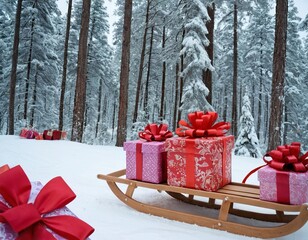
x=27, y=219
x=202, y=125
x=153, y=132
x=287, y=157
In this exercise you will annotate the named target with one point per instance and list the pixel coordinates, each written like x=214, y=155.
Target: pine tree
x=257, y=67
x=294, y=80
x=8, y=17
x=223, y=60
x=247, y=143
x=38, y=68
x=195, y=57
x=99, y=75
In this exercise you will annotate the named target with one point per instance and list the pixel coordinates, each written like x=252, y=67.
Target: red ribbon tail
x=38, y=231
x=69, y=227
x=252, y=172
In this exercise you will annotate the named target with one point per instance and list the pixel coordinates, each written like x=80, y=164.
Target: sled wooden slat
x=228, y=200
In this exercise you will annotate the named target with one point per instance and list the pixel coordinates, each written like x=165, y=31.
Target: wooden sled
x=224, y=200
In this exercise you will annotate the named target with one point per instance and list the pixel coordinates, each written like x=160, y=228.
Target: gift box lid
x=268, y=175
x=197, y=145
x=147, y=147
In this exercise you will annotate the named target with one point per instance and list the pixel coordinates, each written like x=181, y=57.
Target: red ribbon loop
x=27, y=218
x=21, y=217
x=153, y=132
x=202, y=125
x=286, y=158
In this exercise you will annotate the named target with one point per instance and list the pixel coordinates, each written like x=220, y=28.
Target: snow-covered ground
x=79, y=164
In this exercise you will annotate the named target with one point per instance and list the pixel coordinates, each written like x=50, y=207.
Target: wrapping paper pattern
x=298, y=185
x=6, y=233
x=153, y=161
x=211, y=161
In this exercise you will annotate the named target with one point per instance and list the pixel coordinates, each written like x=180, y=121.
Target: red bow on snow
x=27, y=219
x=153, y=132
x=202, y=125
x=287, y=157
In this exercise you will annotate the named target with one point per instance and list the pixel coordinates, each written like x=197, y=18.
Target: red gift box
x=54, y=135
x=47, y=134
x=201, y=163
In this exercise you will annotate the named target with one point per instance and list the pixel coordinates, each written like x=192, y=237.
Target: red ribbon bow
x=153, y=132
x=284, y=158
x=202, y=125
x=27, y=219
x=287, y=157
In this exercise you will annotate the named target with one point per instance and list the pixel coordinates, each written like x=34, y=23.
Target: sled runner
x=287, y=218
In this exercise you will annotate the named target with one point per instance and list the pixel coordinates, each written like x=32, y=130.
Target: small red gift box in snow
x=202, y=160
x=146, y=160
x=285, y=178
x=30, y=211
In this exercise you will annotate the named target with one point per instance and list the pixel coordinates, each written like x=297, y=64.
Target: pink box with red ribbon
x=200, y=163
x=7, y=233
x=283, y=186
x=145, y=161
x=33, y=211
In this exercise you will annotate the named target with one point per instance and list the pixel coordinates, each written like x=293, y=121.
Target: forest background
x=230, y=43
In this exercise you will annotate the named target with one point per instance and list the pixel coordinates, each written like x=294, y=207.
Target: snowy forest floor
x=79, y=164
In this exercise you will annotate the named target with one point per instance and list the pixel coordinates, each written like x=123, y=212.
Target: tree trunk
x=29, y=68
x=207, y=74
x=286, y=125
x=225, y=103
x=144, y=41
x=235, y=56
x=87, y=101
x=99, y=105
x=162, y=99
x=63, y=85
x=124, y=75
x=146, y=92
x=279, y=61
x=181, y=82
x=34, y=98
x=80, y=91
x=113, y=119
x=14, y=68
x=176, y=93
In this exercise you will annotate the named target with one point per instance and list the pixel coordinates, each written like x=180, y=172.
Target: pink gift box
x=200, y=163
x=145, y=161
x=283, y=186
x=8, y=234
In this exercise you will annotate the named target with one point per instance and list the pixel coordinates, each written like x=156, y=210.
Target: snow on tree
x=247, y=143
x=195, y=57
x=294, y=90
x=304, y=24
